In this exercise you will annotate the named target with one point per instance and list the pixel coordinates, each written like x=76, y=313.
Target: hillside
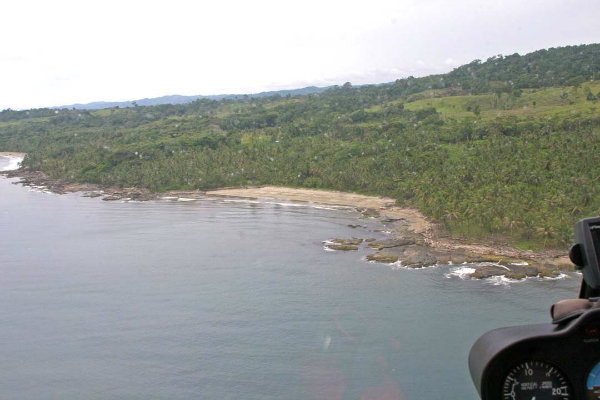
x=507, y=148
x=178, y=99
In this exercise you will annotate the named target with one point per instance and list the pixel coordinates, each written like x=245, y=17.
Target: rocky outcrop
x=343, y=244
x=414, y=250
x=343, y=247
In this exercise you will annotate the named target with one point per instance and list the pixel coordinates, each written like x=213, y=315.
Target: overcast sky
x=62, y=52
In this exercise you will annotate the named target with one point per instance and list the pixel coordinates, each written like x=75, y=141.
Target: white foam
x=284, y=204
x=13, y=163
x=236, y=200
x=501, y=280
x=185, y=199
x=491, y=264
x=460, y=272
x=398, y=265
x=331, y=208
x=555, y=278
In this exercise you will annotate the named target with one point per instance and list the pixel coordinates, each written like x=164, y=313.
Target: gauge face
x=536, y=380
x=593, y=383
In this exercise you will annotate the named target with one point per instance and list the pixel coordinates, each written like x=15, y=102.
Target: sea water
x=231, y=299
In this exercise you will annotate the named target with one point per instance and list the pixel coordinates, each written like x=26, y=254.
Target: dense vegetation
x=509, y=147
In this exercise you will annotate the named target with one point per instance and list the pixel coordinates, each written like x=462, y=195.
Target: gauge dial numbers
x=536, y=380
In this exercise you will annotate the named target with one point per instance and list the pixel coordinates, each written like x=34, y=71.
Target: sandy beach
x=384, y=205
x=11, y=154
x=14, y=160
x=415, y=221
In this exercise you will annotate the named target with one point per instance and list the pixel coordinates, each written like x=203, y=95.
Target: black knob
x=576, y=256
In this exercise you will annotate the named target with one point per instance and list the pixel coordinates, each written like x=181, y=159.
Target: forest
x=505, y=148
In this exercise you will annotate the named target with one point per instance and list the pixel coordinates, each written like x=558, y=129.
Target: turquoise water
x=218, y=299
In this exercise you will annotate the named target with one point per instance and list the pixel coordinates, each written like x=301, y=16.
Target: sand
x=11, y=154
x=387, y=207
x=384, y=205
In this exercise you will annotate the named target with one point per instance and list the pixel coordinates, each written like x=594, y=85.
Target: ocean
x=231, y=299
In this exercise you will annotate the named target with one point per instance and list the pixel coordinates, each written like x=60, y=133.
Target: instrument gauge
x=536, y=380
x=593, y=383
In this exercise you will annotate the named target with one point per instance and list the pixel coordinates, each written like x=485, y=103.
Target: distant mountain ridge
x=179, y=99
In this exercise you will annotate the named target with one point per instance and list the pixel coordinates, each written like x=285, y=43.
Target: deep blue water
x=219, y=299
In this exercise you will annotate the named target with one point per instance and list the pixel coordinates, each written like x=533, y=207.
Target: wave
x=460, y=272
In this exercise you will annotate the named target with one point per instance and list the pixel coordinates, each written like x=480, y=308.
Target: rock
x=489, y=270
x=353, y=241
x=354, y=226
x=369, y=240
x=418, y=257
x=548, y=273
x=389, y=243
x=92, y=195
x=344, y=247
x=413, y=256
x=112, y=198
x=382, y=258
x=368, y=212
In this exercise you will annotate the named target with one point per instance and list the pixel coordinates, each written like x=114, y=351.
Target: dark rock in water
x=369, y=240
x=368, y=212
x=389, y=243
x=512, y=271
x=92, y=195
x=382, y=258
x=515, y=275
x=549, y=273
x=489, y=270
x=414, y=256
x=354, y=226
x=344, y=247
x=417, y=257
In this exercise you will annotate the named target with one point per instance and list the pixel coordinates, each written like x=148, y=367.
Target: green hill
x=508, y=147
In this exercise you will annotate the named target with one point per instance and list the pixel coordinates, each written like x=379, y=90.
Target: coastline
x=414, y=240
x=383, y=205
x=14, y=160
x=11, y=154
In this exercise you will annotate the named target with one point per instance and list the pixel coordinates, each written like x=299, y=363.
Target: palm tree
x=547, y=232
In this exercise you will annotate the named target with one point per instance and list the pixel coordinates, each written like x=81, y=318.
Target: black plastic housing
x=587, y=243
x=574, y=348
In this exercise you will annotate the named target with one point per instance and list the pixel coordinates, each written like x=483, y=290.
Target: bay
x=227, y=299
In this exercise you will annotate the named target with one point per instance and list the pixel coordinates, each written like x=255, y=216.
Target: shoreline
x=14, y=160
x=414, y=240
x=12, y=154
x=385, y=206
x=410, y=226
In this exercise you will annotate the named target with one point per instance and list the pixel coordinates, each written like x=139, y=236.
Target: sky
x=62, y=52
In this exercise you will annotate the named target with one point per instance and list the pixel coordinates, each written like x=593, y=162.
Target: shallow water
x=230, y=299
